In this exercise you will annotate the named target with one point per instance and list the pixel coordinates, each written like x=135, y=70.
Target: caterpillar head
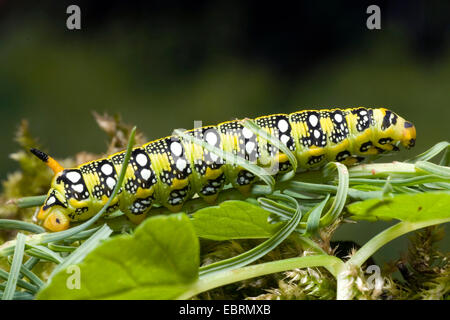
x=393, y=130
x=409, y=135
x=54, y=212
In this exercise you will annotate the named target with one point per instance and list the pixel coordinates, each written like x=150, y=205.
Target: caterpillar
x=173, y=169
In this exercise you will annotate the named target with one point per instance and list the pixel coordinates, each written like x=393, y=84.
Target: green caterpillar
x=171, y=170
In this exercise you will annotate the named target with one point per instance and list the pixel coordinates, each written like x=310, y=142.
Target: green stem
x=401, y=228
x=218, y=279
x=28, y=202
x=344, y=273
x=20, y=225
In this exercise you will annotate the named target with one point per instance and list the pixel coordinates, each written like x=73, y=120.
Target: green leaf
x=159, y=261
x=405, y=207
x=263, y=248
x=233, y=220
x=314, y=217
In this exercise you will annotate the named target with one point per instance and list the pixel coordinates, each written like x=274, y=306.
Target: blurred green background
x=164, y=64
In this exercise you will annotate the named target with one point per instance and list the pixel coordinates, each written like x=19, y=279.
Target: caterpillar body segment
x=171, y=170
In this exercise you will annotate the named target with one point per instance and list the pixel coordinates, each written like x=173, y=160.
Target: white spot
x=107, y=169
x=247, y=133
x=145, y=174
x=73, y=176
x=283, y=125
x=211, y=138
x=176, y=149
x=365, y=118
x=181, y=164
x=214, y=157
x=249, y=146
x=313, y=120
x=316, y=134
x=141, y=159
x=284, y=138
x=363, y=112
x=338, y=117
x=111, y=182
x=78, y=187
x=51, y=200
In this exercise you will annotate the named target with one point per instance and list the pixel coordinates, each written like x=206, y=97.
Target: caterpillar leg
x=212, y=187
x=138, y=209
x=244, y=182
x=136, y=219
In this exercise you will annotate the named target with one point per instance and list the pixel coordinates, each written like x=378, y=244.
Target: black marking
x=81, y=210
x=70, y=191
x=213, y=186
x=340, y=128
x=385, y=140
x=315, y=159
x=141, y=205
x=365, y=146
x=389, y=119
x=364, y=120
x=210, y=160
x=380, y=150
x=245, y=177
x=39, y=154
x=55, y=203
x=113, y=208
x=285, y=166
x=408, y=124
x=341, y=156
x=177, y=197
x=273, y=123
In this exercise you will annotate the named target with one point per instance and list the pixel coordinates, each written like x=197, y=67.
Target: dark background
x=164, y=64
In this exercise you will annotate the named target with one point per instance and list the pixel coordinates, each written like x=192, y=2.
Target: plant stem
x=218, y=279
x=366, y=251
x=344, y=274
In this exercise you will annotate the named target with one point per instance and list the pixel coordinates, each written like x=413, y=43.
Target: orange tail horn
x=49, y=161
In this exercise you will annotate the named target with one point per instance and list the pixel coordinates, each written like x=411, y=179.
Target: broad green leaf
x=233, y=220
x=405, y=207
x=159, y=261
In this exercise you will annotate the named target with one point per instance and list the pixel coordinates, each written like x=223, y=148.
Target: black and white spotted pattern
x=107, y=176
x=281, y=129
x=169, y=171
x=74, y=184
x=340, y=127
x=173, y=149
x=364, y=119
x=315, y=135
x=141, y=206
